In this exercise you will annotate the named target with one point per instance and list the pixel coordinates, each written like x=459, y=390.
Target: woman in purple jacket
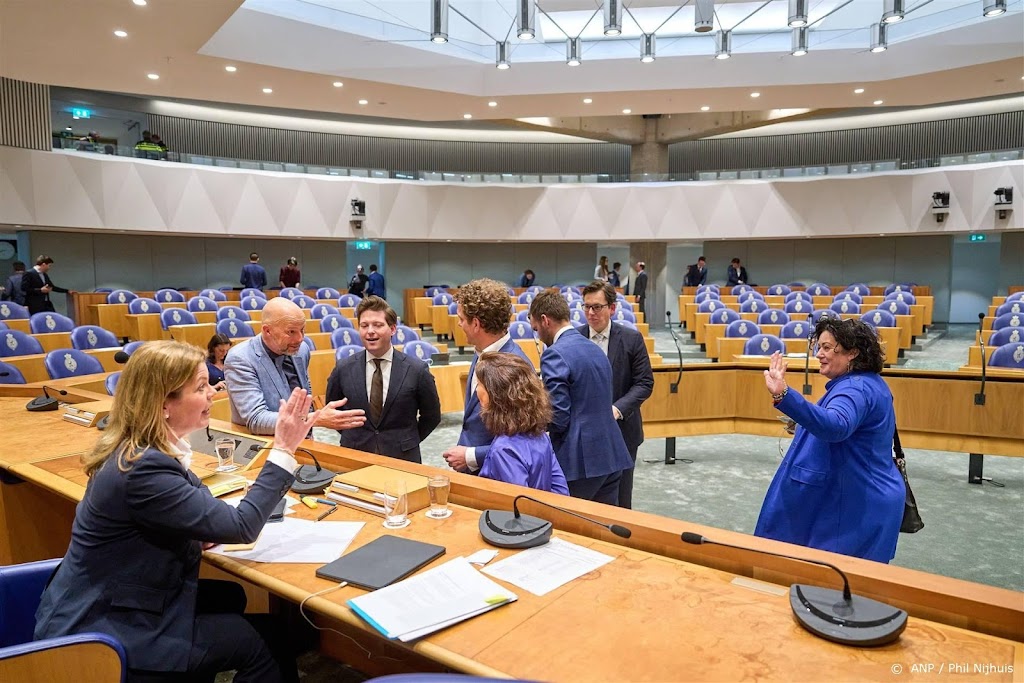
x=515, y=408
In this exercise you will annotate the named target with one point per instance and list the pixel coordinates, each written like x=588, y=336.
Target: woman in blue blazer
x=838, y=489
x=132, y=569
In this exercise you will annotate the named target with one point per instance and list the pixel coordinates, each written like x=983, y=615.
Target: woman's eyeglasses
x=827, y=348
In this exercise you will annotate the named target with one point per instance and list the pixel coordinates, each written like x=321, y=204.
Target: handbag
x=912, y=522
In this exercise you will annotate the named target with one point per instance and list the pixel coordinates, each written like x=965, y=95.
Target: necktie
x=290, y=374
x=376, y=392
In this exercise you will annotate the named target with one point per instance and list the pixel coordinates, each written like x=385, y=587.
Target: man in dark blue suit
x=484, y=310
x=578, y=377
x=632, y=378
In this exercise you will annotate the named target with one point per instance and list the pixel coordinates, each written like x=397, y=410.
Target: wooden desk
x=146, y=327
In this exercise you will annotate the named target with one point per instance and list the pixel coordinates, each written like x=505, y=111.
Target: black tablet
x=381, y=562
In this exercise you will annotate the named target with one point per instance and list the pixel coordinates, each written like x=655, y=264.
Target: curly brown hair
x=518, y=402
x=854, y=335
x=488, y=301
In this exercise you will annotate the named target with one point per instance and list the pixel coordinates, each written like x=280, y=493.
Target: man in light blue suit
x=484, y=310
x=263, y=370
x=578, y=377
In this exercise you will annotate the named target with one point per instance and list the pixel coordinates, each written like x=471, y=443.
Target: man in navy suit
x=632, y=378
x=396, y=391
x=484, y=310
x=36, y=286
x=253, y=274
x=578, y=377
x=375, y=283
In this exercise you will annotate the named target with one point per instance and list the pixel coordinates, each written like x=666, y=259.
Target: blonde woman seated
x=516, y=410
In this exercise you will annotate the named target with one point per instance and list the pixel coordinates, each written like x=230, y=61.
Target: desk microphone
x=830, y=614
x=308, y=478
x=979, y=398
x=515, y=530
x=121, y=357
x=807, y=359
x=44, y=403
x=674, y=387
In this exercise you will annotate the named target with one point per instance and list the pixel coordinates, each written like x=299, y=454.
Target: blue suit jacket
x=375, y=286
x=473, y=431
x=256, y=386
x=132, y=568
x=253, y=276
x=578, y=377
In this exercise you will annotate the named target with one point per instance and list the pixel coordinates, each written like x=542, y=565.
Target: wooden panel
x=51, y=341
x=64, y=664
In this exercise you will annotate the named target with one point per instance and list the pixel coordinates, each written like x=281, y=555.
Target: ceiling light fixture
x=492, y=103
x=705, y=108
x=153, y=77
x=267, y=91
x=140, y=3
x=501, y=55
x=878, y=102
x=612, y=17
x=879, y=38
x=572, y=51
x=858, y=91
x=364, y=102
x=723, y=44
x=799, y=42
x=894, y=10
x=993, y=8
x=647, y=45
x=525, y=20
x=467, y=116
x=755, y=95
x=337, y=84
x=587, y=100
x=439, y=21
x=704, y=16
x=797, y=13
x=627, y=111
x=121, y=34
x=231, y=69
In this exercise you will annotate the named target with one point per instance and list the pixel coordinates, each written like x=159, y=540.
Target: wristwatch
x=776, y=398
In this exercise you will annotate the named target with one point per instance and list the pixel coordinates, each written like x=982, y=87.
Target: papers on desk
x=542, y=569
x=430, y=601
x=298, y=540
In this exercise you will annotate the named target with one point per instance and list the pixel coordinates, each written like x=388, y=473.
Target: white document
x=430, y=601
x=482, y=557
x=299, y=540
x=542, y=569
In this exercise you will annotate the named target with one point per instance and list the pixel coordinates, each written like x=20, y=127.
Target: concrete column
x=649, y=156
x=655, y=256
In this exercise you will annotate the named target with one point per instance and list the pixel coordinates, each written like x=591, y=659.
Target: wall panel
x=25, y=114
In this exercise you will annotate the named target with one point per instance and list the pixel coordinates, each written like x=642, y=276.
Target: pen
x=326, y=502
x=326, y=512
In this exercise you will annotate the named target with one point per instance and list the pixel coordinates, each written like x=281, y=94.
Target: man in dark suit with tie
x=396, y=391
x=484, y=309
x=640, y=286
x=736, y=275
x=36, y=285
x=578, y=377
x=632, y=378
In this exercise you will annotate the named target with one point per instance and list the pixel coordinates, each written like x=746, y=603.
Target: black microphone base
x=979, y=399
x=504, y=530
x=861, y=622
x=309, y=480
x=41, y=404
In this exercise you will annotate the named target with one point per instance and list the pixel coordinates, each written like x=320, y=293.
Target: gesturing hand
x=332, y=418
x=294, y=420
x=775, y=375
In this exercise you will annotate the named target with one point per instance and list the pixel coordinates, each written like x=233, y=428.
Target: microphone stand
x=670, y=442
x=979, y=398
x=807, y=358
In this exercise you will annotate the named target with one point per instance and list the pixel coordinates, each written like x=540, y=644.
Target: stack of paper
x=542, y=569
x=297, y=540
x=430, y=601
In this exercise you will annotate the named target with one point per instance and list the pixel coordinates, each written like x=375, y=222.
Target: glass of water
x=396, y=505
x=226, y=455
x=439, y=486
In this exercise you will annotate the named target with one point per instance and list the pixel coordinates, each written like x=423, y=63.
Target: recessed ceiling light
x=153, y=77
x=492, y=103
x=337, y=84
x=755, y=94
x=858, y=91
x=705, y=108
x=877, y=102
x=627, y=111
x=231, y=69
x=467, y=116
x=67, y=127
x=267, y=91
x=587, y=100
x=364, y=101
x=140, y=3
x=121, y=34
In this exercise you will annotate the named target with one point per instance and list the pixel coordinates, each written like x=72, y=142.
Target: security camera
x=358, y=207
x=940, y=205
x=1004, y=201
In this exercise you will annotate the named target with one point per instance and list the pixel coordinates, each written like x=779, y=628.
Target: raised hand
x=775, y=375
x=294, y=420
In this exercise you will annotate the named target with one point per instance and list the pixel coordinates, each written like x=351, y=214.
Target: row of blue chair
x=86, y=337
x=167, y=295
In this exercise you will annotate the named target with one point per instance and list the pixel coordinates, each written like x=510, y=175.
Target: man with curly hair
x=484, y=310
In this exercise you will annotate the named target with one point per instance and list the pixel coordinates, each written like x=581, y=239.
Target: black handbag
x=912, y=522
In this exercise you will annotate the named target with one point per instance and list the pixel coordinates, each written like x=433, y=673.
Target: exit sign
x=977, y=237
x=364, y=245
x=81, y=113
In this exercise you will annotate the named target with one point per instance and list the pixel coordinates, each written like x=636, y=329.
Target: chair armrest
x=64, y=658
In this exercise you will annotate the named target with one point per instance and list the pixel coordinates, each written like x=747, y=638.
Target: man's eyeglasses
x=594, y=308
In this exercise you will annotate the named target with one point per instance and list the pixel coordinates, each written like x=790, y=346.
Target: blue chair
x=824, y=313
x=571, y=296
x=202, y=303
x=535, y=289
x=442, y=299
x=453, y=308
x=232, y=313
x=779, y=290
x=327, y=293
x=348, y=301
x=435, y=290
x=710, y=306
x=130, y=347
x=1016, y=296
x=61, y=363
x=1007, y=320
x=772, y=316
x=763, y=345
x=905, y=297
x=797, y=284
x=859, y=288
x=17, y=343
x=345, y=337
x=525, y=298
x=121, y=296
x=799, y=307
x=234, y=328
x=308, y=343
x=321, y=311
x=819, y=289
x=843, y=306
x=848, y=296
x=252, y=291
x=111, y=382
x=10, y=374
x=303, y=301
x=901, y=287
x=753, y=305
x=709, y=288
x=724, y=316
x=176, y=316
x=625, y=323
x=214, y=294
x=47, y=322
x=742, y=328
x=625, y=305
x=1008, y=356
x=85, y=337
x=12, y=311
x=4, y=326
x=622, y=314
x=144, y=305
x=168, y=295
x=523, y=316
x=569, y=289
x=346, y=351
x=1007, y=335
x=879, y=318
x=796, y=329
x=895, y=307
x=739, y=289
x=706, y=295
x=253, y=303
x=520, y=330
x=335, y=321
x=750, y=294
x=21, y=588
x=421, y=350
x=404, y=334
x=793, y=296
x=290, y=292
x=1010, y=307
x=577, y=317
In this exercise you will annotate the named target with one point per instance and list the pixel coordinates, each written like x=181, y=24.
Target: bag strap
x=896, y=447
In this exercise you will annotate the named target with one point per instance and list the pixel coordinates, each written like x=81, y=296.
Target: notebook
x=380, y=562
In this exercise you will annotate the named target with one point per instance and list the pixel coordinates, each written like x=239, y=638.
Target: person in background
x=528, y=279
x=131, y=570
x=253, y=275
x=838, y=489
x=160, y=143
x=375, y=283
x=290, y=275
x=640, y=286
x=357, y=285
x=216, y=350
x=11, y=291
x=601, y=271
x=36, y=286
x=736, y=275
x=146, y=145
x=515, y=408
x=614, y=279
x=697, y=274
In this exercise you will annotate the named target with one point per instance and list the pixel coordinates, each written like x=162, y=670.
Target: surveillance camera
x=1004, y=201
x=940, y=200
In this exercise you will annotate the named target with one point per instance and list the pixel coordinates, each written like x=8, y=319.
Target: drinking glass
x=226, y=455
x=396, y=505
x=439, y=486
